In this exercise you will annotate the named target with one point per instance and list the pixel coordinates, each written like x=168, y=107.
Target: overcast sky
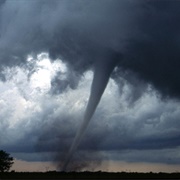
x=49, y=51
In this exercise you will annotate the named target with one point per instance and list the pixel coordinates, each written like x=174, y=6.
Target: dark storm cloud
x=84, y=34
x=167, y=156
x=145, y=32
x=60, y=84
x=156, y=58
x=137, y=86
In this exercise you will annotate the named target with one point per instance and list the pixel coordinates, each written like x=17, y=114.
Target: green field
x=87, y=175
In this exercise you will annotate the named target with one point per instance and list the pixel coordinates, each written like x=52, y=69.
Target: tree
x=6, y=161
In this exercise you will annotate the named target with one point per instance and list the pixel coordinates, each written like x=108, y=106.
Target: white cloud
x=30, y=110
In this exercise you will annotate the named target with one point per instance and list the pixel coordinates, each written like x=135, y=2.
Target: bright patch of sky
x=20, y=94
x=45, y=71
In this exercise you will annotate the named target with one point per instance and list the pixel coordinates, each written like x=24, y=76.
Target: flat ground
x=87, y=175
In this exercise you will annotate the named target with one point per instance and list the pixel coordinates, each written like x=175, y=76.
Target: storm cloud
x=82, y=32
x=78, y=38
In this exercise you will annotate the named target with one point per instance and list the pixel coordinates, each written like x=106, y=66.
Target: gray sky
x=48, y=53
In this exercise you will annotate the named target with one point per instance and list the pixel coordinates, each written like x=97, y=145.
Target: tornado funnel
x=102, y=72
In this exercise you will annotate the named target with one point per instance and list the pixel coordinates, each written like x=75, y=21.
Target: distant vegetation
x=87, y=175
x=6, y=161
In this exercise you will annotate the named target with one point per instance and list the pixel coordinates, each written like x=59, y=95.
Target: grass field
x=87, y=175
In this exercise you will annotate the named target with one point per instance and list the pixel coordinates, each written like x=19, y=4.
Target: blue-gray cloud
x=82, y=33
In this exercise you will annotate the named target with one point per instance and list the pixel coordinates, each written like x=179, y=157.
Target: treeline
x=87, y=175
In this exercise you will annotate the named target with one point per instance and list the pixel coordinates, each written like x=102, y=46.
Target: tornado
x=102, y=72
